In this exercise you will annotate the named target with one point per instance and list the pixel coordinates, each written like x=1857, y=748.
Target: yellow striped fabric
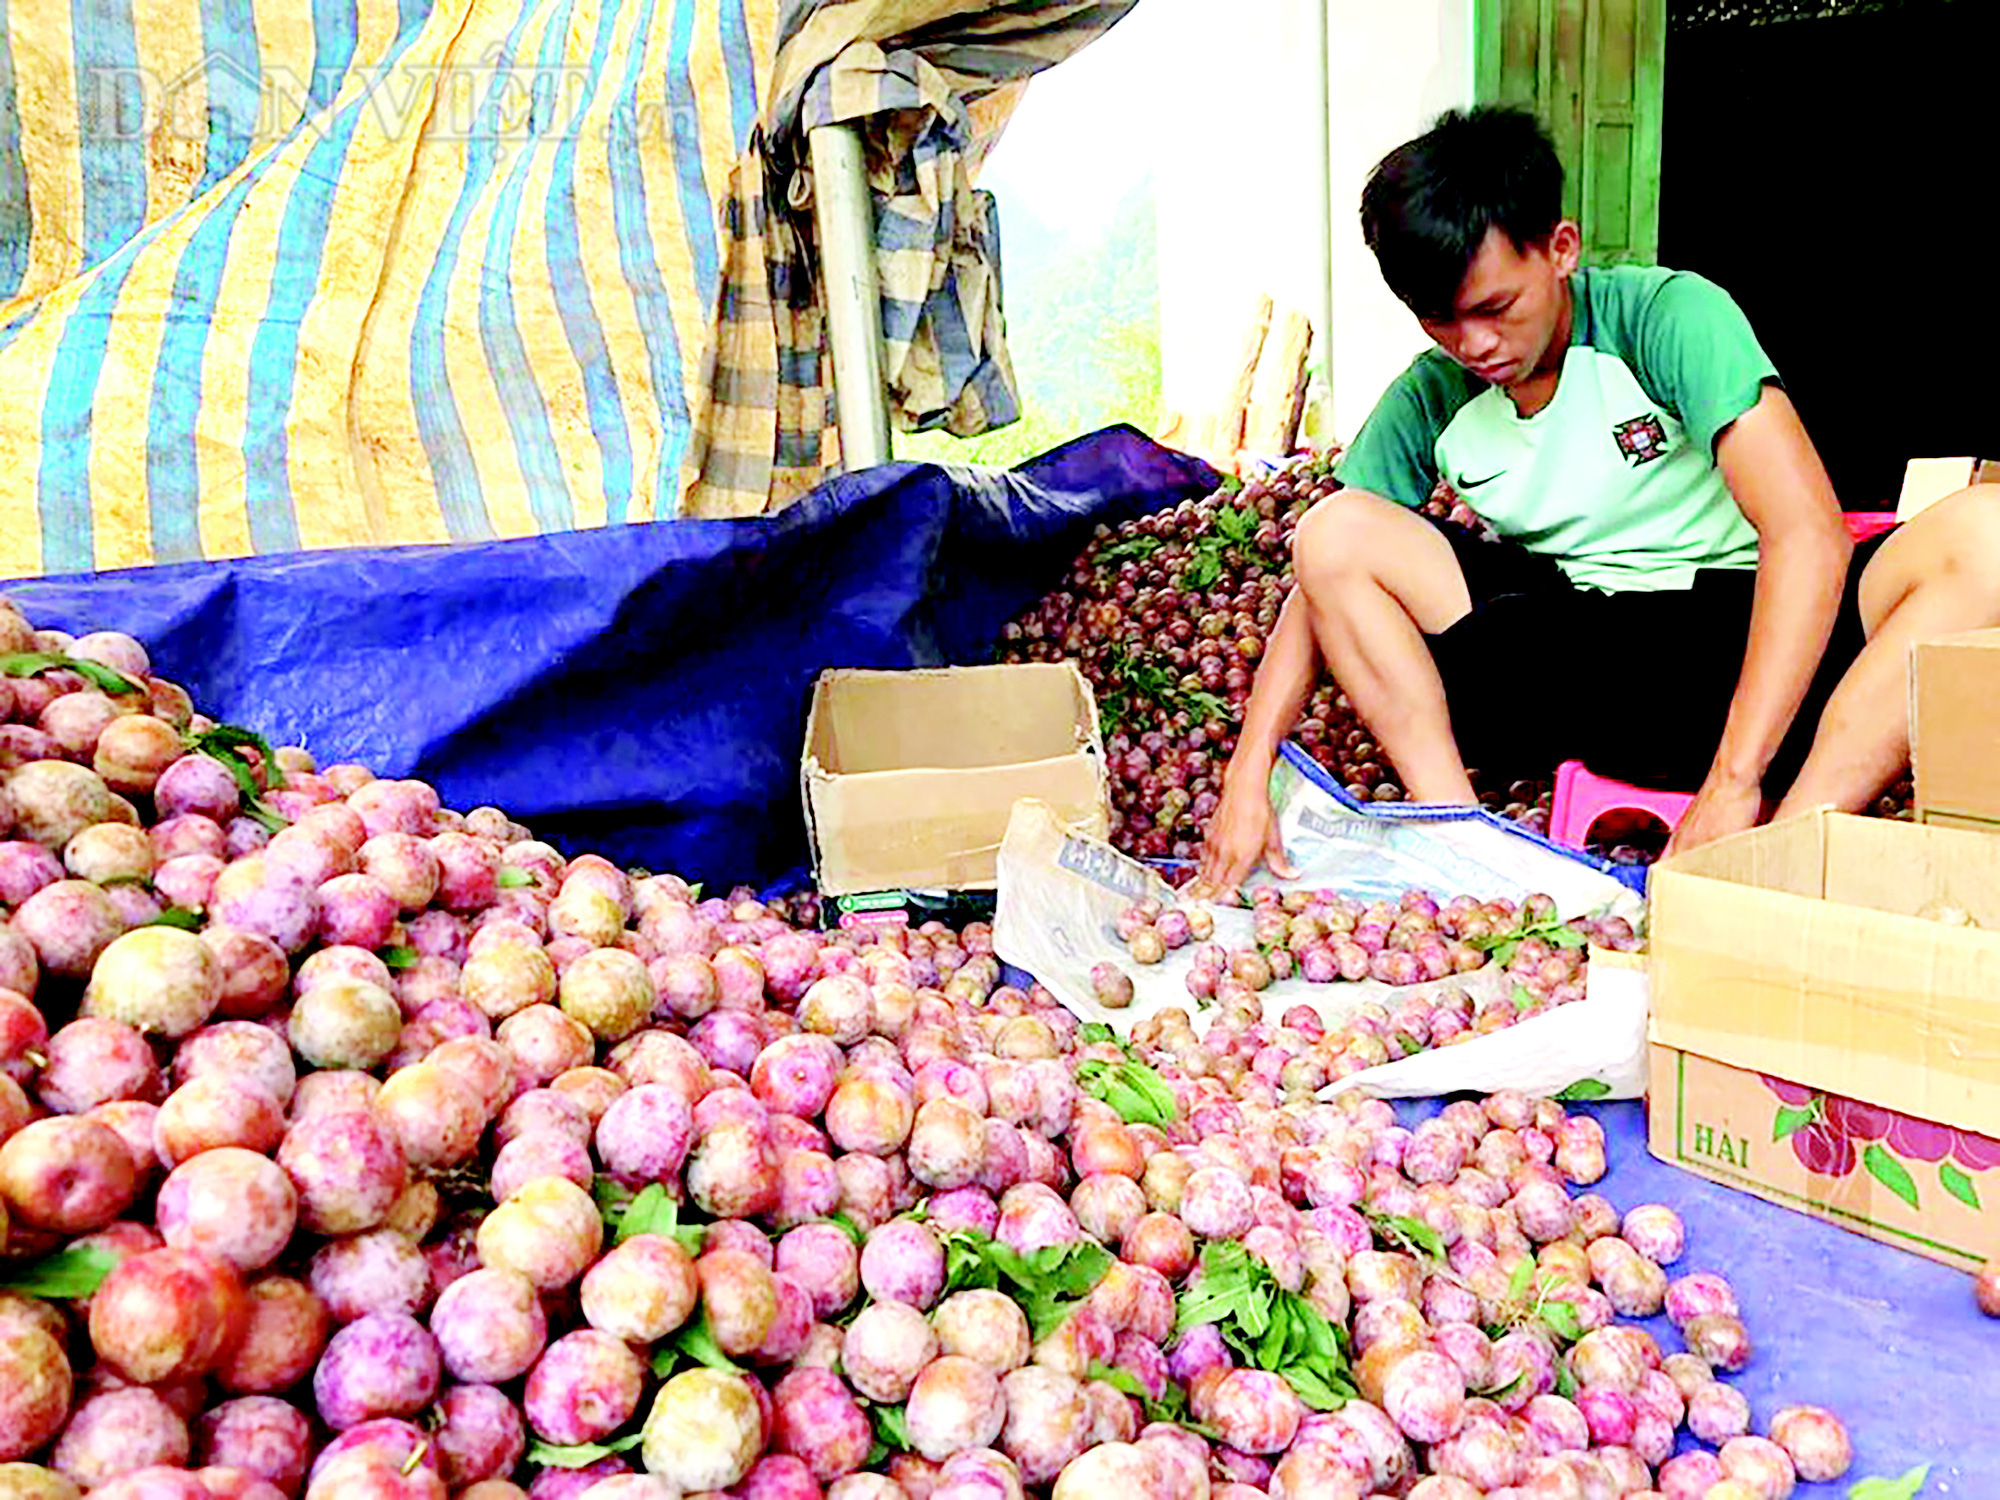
x=282, y=274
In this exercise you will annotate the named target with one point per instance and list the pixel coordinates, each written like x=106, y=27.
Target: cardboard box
x=1816, y=1043
x=909, y=777
x=1955, y=729
x=1928, y=480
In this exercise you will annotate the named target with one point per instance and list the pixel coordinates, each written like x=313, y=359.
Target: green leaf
x=30, y=663
x=223, y=744
x=1892, y=1174
x=1502, y=1392
x=580, y=1455
x=512, y=878
x=892, y=1427
x=847, y=1225
x=1789, y=1122
x=1566, y=937
x=179, y=917
x=694, y=891
x=264, y=817
x=1266, y=1326
x=1583, y=1089
x=1219, y=1291
x=1139, y=1094
x=234, y=738
x=1413, y=1235
x=1275, y=1344
x=60, y=1274
x=1093, y=1032
x=698, y=1344
x=1522, y=1279
x=1171, y=1406
x=1083, y=1267
x=1119, y=1377
x=1204, y=706
x=649, y=1207
x=965, y=1265
x=1907, y=1487
x=612, y=1199
x=398, y=957
x=1132, y=548
x=1565, y=1382
x=1315, y=1390
x=1230, y=485
x=34, y=663
x=1958, y=1184
x=1323, y=1338
x=1522, y=997
x=655, y=1211
x=1562, y=1320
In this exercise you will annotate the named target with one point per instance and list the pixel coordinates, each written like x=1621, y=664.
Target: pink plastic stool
x=1582, y=798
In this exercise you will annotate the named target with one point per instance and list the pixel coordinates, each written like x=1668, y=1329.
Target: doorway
x=1829, y=162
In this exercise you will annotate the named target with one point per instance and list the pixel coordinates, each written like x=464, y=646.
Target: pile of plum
x=355, y=1148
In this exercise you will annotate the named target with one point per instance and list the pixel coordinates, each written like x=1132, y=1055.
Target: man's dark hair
x=1429, y=203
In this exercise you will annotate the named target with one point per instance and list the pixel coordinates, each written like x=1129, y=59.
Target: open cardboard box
x=1818, y=1044
x=1955, y=729
x=910, y=777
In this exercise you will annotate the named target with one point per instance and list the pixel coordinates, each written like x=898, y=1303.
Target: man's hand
x=1725, y=804
x=1242, y=832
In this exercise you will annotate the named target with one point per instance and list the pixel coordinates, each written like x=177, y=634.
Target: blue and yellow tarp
x=293, y=274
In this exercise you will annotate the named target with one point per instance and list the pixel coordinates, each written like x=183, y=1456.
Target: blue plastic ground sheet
x=1887, y=1340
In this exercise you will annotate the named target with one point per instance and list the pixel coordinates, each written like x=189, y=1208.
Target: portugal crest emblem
x=1641, y=440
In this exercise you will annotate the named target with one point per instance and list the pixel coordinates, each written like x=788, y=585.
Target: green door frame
x=1594, y=72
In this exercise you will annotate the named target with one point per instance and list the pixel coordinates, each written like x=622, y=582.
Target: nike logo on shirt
x=1473, y=484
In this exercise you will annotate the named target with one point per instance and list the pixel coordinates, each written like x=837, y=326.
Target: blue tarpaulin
x=640, y=691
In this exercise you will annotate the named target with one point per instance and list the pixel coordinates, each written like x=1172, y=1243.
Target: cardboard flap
x=951, y=718
x=1758, y=965
x=1955, y=725
x=1928, y=480
x=919, y=829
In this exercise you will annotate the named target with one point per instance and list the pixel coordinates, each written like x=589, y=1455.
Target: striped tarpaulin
x=281, y=274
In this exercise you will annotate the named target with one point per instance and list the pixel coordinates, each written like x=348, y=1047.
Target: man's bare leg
x=1939, y=573
x=1377, y=578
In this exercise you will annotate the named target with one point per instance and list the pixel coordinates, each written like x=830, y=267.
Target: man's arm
x=1241, y=832
x=1777, y=480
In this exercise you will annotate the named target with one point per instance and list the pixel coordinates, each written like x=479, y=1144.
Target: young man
x=1675, y=601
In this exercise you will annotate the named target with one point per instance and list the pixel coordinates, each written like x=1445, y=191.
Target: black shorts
x=1636, y=685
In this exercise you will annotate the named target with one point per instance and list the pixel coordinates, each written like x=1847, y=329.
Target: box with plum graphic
x=1826, y=1025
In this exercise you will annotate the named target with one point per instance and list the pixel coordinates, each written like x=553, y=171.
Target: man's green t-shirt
x=1615, y=479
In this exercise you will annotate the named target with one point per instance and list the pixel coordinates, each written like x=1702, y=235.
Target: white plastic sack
x=1060, y=894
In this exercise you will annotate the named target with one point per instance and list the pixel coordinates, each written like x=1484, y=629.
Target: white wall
x=1393, y=68
x=1235, y=153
